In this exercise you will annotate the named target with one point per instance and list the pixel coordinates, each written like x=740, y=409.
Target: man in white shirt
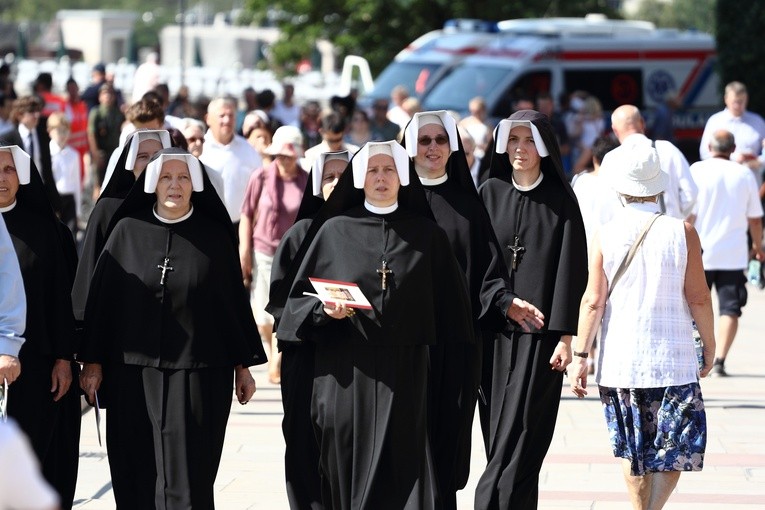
x=13, y=306
x=228, y=154
x=748, y=129
x=286, y=111
x=397, y=114
x=629, y=127
x=596, y=197
x=728, y=204
x=66, y=169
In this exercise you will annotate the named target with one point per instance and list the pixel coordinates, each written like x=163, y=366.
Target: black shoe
x=718, y=370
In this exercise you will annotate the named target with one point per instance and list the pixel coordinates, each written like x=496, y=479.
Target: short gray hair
x=191, y=122
x=218, y=102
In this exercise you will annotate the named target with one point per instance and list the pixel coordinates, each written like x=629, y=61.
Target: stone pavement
x=579, y=471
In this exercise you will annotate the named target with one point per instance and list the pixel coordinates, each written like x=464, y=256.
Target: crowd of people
x=476, y=264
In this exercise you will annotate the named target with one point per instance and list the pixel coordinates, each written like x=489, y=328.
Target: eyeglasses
x=426, y=140
x=194, y=139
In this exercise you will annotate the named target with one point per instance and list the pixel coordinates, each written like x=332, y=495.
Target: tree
x=739, y=26
x=683, y=14
x=378, y=29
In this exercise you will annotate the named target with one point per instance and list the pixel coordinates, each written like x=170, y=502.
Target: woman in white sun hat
x=648, y=375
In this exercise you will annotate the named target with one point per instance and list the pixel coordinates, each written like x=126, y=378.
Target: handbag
x=631, y=253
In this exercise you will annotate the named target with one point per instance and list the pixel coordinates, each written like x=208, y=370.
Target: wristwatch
x=582, y=354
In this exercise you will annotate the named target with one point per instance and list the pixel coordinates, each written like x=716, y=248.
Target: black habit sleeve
x=93, y=243
x=285, y=253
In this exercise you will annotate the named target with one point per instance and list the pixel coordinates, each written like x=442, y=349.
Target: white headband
x=420, y=119
x=154, y=168
x=317, y=170
x=21, y=161
x=391, y=148
x=502, y=133
x=161, y=135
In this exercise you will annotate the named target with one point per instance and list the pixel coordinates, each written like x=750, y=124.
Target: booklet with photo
x=331, y=292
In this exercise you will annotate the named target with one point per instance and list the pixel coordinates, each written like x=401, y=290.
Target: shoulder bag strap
x=631, y=253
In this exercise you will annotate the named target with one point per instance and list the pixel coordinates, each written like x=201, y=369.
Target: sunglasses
x=195, y=139
x=426, y=140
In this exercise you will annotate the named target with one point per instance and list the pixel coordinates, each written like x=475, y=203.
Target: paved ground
x=579, y=471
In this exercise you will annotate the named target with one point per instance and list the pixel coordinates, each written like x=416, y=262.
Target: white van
x=420, y=64
x=620, y=62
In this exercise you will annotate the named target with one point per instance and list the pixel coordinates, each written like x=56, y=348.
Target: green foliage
x=378, y=29
x=740, y=26
x=684, y=14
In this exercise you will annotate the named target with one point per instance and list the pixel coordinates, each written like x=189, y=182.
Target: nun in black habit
x=169, y=320
x=124, y=168
x=42, y=403
x=537, y=221
x=369, y=402
x=438, y=158
x=301, y=454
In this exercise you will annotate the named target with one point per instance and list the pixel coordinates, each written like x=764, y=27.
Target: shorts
x=260, y=286
x=731, y=290
x=657, y=429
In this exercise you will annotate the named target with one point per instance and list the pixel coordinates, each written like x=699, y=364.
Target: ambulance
x=618, y=61
x=425, y=59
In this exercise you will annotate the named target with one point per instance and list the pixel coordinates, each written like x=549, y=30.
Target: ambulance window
x=528, y=85
x=613, y=87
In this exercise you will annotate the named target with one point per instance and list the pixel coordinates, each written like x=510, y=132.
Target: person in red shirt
x=77, y=113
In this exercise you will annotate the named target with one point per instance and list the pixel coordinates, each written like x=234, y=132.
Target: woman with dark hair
x=168, y=324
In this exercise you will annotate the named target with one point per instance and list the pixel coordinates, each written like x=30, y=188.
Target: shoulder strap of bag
x=631, y=253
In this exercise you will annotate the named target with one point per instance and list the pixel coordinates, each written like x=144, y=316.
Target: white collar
x=170, y=222
x=8, y=208
x=434, y=182
x=380, y=210
x=25, y=132
x=529, y=187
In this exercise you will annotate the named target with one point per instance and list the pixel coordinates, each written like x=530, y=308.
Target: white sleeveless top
x=646, y=333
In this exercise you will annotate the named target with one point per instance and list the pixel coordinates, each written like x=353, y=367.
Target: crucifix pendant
x=517, y=250
x=384, y=272
x=165, y=267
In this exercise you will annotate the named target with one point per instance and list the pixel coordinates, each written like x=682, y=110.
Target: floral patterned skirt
x=657, y=429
